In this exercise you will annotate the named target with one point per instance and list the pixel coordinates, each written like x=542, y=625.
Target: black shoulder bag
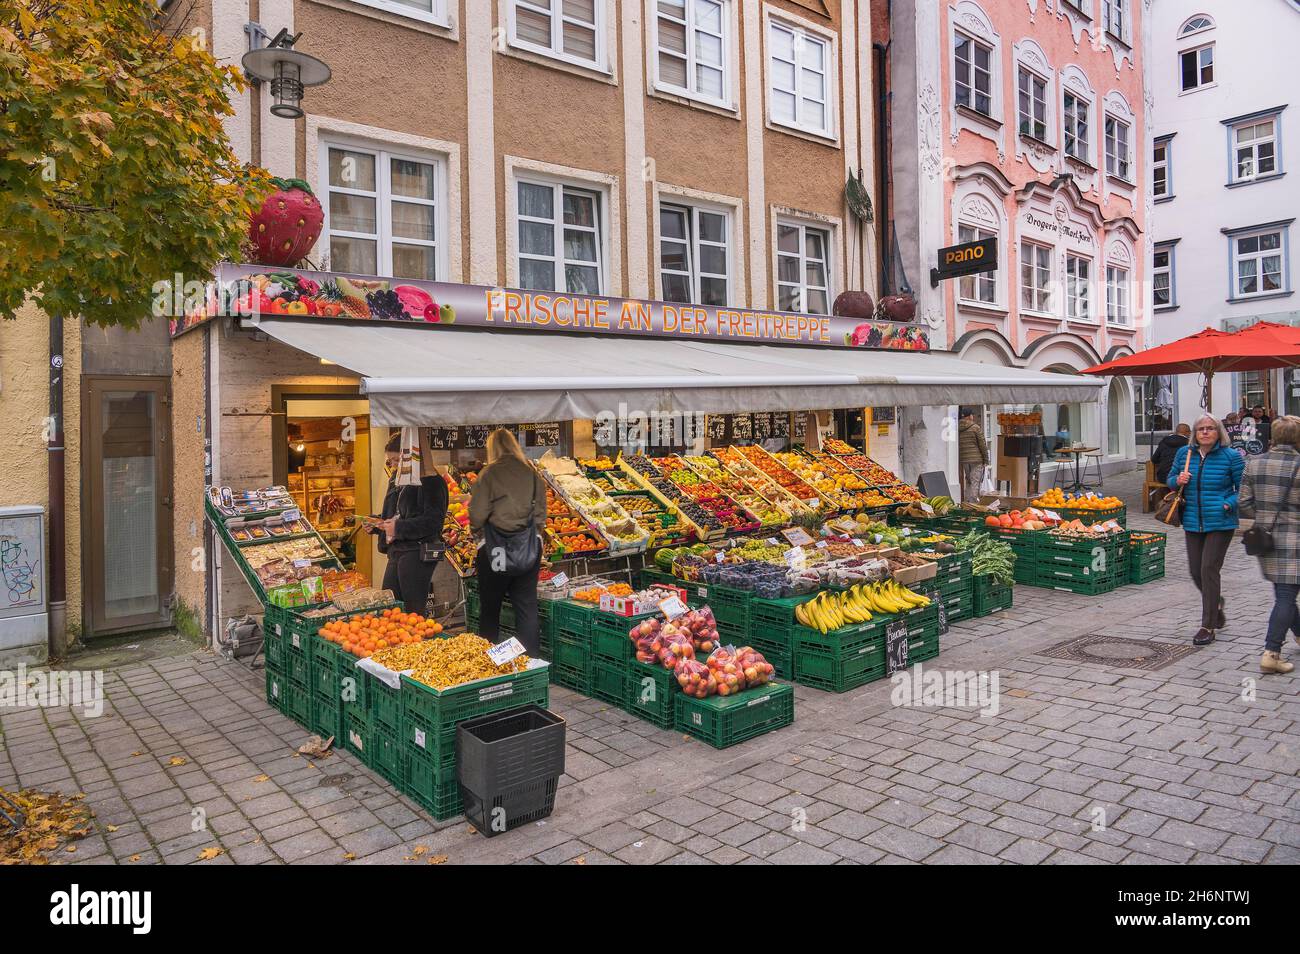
x=1257, y=540
x=518, y=551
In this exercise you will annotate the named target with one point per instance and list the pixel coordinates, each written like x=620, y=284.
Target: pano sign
x=245, y=290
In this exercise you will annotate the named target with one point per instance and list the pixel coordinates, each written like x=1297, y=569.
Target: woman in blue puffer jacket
x=1209, y=471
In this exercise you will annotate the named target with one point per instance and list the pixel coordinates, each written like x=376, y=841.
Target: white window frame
x=1165, y=164
x=1190, y=26
x=980, y=280
x=1040, y=289
x=688, y=91
x=1258, y=257
x=1200, y=83
x=1118, y=290
x=803, y=226
x=558, y=18
x=1274, y=119
x=1034, y=77
x=800, y=34
x=693, y=242
x=602, y=217
x=1115, y=19
x=1166, y=270
x=384, y=198
x=1114, y=158
x=1083, y=155
x=437, y=14
x=1078, y=288
x=969, y=69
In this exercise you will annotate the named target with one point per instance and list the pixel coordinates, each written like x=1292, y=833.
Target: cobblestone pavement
x=1083, y=763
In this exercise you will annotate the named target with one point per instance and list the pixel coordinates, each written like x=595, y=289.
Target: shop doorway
x=323, y=453
x=126, y=479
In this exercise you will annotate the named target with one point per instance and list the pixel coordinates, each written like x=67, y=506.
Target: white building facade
x=1225, y=126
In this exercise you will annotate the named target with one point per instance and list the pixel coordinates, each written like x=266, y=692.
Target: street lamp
x=288, y=71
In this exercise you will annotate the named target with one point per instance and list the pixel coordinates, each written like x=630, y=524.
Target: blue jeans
x=1284, y=617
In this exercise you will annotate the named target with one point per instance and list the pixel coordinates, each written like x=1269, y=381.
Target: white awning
x=423, y=376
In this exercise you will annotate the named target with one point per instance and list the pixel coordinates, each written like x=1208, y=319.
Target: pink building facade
x=1028, y=128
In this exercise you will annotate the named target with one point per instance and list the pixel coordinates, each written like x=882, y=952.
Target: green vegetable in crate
x=990, y=556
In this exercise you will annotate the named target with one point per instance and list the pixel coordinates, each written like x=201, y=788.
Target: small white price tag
x=672, y=607
x=996, y=505
x=289, y=516
x=926, y=507
x=299, y=564
x=502, y=653
x=877, y=538
x=797, y=536
x=559, y=580
x=703, y=591
x=296, y=643
x=821, y=544
x=858, y=543
x=772, y=541
x=719, y=557
x=419, y=737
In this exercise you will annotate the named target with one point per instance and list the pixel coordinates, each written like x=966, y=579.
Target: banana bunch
x=827, y=611
x=941, y=505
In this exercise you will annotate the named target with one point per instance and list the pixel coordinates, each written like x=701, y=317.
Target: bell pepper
x=296, y=308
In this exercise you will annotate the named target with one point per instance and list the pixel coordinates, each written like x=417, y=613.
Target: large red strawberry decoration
x=286, y=227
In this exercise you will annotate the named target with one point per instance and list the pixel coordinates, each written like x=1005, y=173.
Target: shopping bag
x=408, y=466
x=986, y=482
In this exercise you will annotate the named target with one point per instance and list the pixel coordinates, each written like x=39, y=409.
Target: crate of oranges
x=367, y=633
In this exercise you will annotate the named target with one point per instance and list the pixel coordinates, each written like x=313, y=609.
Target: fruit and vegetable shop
x=730, y=513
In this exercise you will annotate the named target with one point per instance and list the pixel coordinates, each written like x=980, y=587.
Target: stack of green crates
x=1118, y=514
x=571, y=655
x=426, y=743
x=648, y=692
x=843, y=658
x=771, y=631
x=991, y=596
x=954, y=586
x=326, y=688
x=1146, y=556
x=287, y=638
x=730, y=607
x=722, y=721
x=922, y=633
x=1079, y=564
x=612, y=653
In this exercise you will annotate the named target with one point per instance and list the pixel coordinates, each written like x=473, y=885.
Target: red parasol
x=1261, y=347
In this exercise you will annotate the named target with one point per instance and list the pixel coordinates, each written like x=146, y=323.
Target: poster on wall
x=255, y=291
x=22, y=561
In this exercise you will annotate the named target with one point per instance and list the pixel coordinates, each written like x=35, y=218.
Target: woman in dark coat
x=1209, y=471
x=1269, y=494
x=412, y=516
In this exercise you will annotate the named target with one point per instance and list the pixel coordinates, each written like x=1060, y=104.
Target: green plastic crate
x=648, y=692
x=386, y=754
x=1086, y=585
x=275, y=689
x=725, y=721
x=609, y=635
x=325, y=669
x=991, y=596
x=607, y=681
x=436, y=791
x=297, y=701
x=383, y=704
x=356, y=733
x=572, y=616
x=1147, y=569
x=571, y=677
x=326, y=717
x=922, y=647
x=273, y=650
x=430, y=716
x=572, y=651
x=840, y=672
x=1147, y=543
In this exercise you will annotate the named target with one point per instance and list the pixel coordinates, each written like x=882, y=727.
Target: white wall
x=1256, y=44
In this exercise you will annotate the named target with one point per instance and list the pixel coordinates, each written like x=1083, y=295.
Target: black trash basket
x=508, y=765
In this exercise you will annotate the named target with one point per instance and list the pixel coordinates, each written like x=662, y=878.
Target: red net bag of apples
x=676, y=646
x=738, y=669
x=647, y=637
x=702, y=627
x=695, y=678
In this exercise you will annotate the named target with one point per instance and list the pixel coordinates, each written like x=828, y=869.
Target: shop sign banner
x=965, y=259
x=247, y=290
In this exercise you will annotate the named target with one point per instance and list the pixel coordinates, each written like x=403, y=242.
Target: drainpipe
x=58, y=602
x=882, y=166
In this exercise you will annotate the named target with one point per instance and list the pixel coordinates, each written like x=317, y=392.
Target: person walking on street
x=507, y=511
x=1163, y=455
x=1263, y=425
x=412, y=519
x=1209, y=472
x=972, y=455
x=1269, y=495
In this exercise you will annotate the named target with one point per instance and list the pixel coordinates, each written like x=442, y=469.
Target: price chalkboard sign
x=882, y=415
x=800, y=425
x=895, y=646
x=762, y=426
x=780, y=425
x=476, y=435
x=742, y=427
x=546, y=435
x=716, y=424
x=444, y=438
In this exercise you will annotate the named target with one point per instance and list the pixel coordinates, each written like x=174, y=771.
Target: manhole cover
x=1116, y=651
x=334, y=781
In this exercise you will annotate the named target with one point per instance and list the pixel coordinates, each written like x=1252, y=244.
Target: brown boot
x=1273, y=662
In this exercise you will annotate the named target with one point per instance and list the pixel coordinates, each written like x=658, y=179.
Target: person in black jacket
x=1164, y=453
x=411, y=516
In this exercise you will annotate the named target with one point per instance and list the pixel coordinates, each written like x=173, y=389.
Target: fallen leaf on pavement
x=316, y=747
x=350, y=856
x=262, y=778
x=580, y=860
x=419, y=850
x=207, y=854
x=437, y=859
x=133, y=858
x=177, y=760
x=111, y=828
